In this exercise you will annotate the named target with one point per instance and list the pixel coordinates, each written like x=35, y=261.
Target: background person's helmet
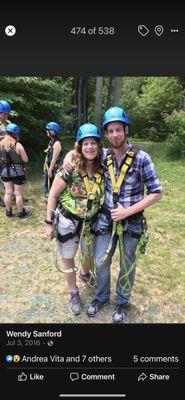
x=5, y=107
x=53, y=126
x=13, y=128
x=115, y=114
x=88, y=130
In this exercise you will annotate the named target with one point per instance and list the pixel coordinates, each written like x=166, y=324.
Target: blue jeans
x=123, y=286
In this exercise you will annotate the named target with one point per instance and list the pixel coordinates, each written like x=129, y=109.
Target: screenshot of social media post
x=92, y=216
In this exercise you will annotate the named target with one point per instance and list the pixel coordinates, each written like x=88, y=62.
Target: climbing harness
x=141, y=249
x=91, y=192
x=120, y=228
x=116, y=186
x=82, y=229
x=87, y=233
x=55, y=260
x=47, y=162
x=8, y=162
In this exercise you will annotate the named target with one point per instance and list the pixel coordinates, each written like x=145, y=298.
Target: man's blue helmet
x=5, y=107
x=115, y=114
x=53, y=126
x=13, y=128
x=88, y=130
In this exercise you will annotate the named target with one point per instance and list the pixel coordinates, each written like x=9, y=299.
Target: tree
x=82, y=100
x=116, y=90
x=109, y=94
x=98, y=101
x=36, y=101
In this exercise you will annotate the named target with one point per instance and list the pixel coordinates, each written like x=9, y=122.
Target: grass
x=33, y=291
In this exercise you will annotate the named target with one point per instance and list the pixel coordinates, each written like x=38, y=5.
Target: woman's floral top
x=74, y=197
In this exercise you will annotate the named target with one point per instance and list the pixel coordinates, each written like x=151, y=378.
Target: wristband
x=48, y=222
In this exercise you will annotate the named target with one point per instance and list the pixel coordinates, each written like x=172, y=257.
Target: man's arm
x=121, y=212
x=68, y=160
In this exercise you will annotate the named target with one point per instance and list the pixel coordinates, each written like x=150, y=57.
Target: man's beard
x=119, y=144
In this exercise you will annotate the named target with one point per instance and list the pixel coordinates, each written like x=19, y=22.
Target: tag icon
x=159, y=30
x=143, y=30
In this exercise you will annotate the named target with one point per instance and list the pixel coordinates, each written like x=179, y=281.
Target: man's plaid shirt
x=140, y=176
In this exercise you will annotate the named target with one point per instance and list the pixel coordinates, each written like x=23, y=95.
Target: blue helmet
x=88, y=130
x=13, y=128
x=5, y=107
x=53, y=126
x=115, y=114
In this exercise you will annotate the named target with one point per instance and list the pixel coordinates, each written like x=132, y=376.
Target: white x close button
x=10, y=30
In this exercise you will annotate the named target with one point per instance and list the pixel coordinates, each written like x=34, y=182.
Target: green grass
x=32, y=290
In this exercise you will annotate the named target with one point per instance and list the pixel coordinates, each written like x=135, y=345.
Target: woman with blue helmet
x=53, y=155
x=13, y=157
x=77, y=195
x=5, y=109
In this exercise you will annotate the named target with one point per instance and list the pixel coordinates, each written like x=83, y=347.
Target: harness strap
x=91, y=192
x=68, y=214
x=55, y=260
x=70, y=235
x=116, y=185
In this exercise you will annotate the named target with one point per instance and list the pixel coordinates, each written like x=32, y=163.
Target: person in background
x=5, y=109
x=12, y=158
x=53, y=159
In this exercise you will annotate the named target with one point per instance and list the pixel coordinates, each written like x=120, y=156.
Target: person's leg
x=75, y=303
x=9, y=188
x=126, y=277
x=102, y=272
x=67, y=251
x=68, y=266
x=18, y=190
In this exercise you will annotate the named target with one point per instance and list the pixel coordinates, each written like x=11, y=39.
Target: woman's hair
x=8, y=142
x=81, y=161
x=53, y=134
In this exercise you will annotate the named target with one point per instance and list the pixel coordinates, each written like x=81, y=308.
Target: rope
x=141, y=249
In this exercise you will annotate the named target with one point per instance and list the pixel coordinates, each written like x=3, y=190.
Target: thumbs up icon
x=22, y=377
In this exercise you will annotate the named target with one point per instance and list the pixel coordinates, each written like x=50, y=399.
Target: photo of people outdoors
x=92, y=193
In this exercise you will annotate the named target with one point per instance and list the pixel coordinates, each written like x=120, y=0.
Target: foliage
x=147, y=101
x=36, y=101
x=175, y=144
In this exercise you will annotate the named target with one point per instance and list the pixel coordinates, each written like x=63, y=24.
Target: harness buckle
x=115, y=199
x=116, y=190
x=90, y=196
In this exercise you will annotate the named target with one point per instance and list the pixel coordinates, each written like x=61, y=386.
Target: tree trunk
x=109, y=96
x=79, y=109
x=98, y=101
x=84, y=101
x=116, y=90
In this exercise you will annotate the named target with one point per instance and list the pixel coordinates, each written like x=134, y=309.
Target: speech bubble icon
x=74, y=376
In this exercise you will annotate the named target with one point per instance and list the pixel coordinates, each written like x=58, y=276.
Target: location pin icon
x=159, y=30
